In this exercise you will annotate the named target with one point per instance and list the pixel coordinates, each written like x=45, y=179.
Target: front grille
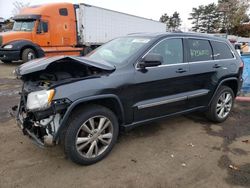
x=1, y=40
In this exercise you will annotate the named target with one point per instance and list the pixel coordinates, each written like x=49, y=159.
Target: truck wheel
x=91, y=134
x=28, y=54
x=221, y=105
x=87, y=50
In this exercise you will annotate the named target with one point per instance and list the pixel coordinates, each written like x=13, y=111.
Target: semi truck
x=67, y=29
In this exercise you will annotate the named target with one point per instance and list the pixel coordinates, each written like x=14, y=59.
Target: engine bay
x=60, y=72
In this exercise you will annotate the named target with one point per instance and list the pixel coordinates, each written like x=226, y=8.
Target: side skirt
x=140, y=123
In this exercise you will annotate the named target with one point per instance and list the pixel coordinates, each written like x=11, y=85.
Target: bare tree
x=18, y=6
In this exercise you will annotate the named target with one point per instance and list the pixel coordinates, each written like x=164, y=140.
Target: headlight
x=9, y=46
x=40, y=99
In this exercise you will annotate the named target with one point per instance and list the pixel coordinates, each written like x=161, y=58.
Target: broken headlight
x=40, y=99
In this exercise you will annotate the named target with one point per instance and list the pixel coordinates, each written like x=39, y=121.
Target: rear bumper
x=9, y=55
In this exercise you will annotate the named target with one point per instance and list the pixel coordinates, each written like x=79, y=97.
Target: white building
x=1, y=20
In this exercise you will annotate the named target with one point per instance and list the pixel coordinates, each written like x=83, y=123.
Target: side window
x=200, y=50
x=221, y=50
x=42, y=27
x=63, y=12
x=171, y=50
x=45, y=26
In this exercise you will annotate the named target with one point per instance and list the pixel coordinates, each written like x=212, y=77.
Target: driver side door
x=162, y=90
x=42, y=37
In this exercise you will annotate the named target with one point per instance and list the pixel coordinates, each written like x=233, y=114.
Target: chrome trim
x=172, y=100
x=168, y=65
x=210, y=61
x=197, y=95
x=212, y=48
x=161, y=102
x=187, y=37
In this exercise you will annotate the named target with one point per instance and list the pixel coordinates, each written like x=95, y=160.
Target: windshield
x=21, y=25
x=118, y=50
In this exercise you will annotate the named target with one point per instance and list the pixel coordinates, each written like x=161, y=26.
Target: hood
x=14, y=35
x=42, y=63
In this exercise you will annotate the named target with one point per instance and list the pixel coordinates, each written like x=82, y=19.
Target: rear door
x=204, y=70
x=162, y=90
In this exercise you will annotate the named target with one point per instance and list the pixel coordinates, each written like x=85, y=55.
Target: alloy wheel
x=224, y=105
x=94, y=136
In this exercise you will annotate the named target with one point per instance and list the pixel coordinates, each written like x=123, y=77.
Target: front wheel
x=28, y=54
x=222, y=104
x=91, y=134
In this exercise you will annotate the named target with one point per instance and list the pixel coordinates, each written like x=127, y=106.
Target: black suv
x=83, y=102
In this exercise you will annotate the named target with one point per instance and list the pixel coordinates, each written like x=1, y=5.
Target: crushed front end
x=41, y=112
x=38, y=115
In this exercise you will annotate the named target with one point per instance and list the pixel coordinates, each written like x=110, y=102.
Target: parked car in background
x=67, y=29
x=83, y=102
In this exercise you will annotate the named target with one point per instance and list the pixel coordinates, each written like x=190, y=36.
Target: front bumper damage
x=41, y=126
x=44, y=126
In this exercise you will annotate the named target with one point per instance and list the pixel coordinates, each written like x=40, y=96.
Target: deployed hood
x=14, y=35
x=41, y=64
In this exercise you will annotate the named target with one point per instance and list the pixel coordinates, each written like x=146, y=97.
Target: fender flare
x=220, y=84
x=83, y=100
x=20, y=45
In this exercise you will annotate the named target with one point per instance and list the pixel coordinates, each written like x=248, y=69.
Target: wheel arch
x=27, y=47
x=21, y=45
x=110, y=101
x=230, y=82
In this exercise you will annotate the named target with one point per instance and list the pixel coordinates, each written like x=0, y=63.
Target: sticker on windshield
x=140, y=40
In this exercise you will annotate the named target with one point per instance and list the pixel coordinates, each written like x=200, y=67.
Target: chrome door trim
x=190, y=62
x=198, y=95
x=161, y=102
x=186, y=96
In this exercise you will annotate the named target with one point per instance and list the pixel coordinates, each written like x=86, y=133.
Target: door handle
x=216, y=66
x=181, y=70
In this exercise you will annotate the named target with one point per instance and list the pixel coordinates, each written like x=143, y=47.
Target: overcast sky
x=148, y=9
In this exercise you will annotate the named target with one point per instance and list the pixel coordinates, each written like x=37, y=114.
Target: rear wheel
x=28, y=54
x=91, y=134
x=221, y=105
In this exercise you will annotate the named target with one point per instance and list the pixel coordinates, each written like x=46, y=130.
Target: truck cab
x=38, y=31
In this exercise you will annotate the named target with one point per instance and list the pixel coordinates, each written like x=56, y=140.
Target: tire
x=215, y=112
x=28, y=54
x=87, y=50
x=82, y=139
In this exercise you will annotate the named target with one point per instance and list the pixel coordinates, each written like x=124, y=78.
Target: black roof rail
x=137, y=33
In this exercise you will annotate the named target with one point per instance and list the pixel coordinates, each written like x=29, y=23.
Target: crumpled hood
x=15, y=35
x=42, y=63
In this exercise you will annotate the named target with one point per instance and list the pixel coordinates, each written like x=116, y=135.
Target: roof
x=178, y=34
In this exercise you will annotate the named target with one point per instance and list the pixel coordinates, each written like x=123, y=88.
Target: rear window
x=221, y=50
x=199, y=50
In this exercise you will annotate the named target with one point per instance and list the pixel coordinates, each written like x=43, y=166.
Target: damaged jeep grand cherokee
x=83, y=102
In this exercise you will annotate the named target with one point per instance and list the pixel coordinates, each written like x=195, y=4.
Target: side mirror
x=151, y=60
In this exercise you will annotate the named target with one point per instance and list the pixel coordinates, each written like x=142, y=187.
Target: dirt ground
x=186, y=151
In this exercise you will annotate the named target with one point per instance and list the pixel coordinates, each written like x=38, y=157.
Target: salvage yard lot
x=186, y=151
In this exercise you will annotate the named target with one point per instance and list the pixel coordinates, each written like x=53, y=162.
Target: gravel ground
x=186, y=151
